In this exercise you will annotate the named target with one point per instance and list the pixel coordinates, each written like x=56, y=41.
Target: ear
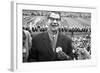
x=59, y=24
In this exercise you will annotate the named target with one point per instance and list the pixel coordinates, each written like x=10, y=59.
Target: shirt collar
x=51, y=35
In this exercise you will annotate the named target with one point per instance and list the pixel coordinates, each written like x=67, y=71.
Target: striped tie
x=53, y=43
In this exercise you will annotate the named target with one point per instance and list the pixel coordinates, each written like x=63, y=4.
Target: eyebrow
x=54, y=18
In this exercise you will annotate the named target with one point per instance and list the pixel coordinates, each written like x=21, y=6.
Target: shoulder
x=65, y=37
x=26, y=32
x=39, y=36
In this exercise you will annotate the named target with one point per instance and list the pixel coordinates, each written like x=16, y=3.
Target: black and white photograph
x=55, y=35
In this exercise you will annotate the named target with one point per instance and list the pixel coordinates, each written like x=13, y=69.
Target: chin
x=54, y=29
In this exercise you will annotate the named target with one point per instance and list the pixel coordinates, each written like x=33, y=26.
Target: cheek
x=49, y=21
x=59, y=23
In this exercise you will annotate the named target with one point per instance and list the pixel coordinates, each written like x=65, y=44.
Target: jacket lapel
x=59, y=41
x=47, y=43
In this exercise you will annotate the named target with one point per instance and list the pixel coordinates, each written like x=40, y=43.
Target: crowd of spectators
x=62, y=29
x=82, y=47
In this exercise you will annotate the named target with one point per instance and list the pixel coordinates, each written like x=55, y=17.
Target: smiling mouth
x=54, y=24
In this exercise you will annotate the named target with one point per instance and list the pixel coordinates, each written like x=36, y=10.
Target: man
x=45, y=46
x=26, y=44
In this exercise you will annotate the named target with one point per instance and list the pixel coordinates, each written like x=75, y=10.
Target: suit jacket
x=42, y=50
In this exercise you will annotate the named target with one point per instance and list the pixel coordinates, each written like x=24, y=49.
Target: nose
x=55, y=21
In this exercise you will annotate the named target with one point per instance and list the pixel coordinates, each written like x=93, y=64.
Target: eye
x=57, y=19
x=52, y=19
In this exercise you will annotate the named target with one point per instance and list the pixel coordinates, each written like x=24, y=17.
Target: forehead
x=54, y=15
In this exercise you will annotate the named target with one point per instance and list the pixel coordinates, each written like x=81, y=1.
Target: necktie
x=53, y=43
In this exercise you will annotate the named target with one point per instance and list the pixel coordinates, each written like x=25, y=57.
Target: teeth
x=54, y=24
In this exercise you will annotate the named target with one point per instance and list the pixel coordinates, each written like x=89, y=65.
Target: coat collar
x=47, y=42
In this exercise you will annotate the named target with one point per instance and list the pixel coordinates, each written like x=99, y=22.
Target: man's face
x=54, y=21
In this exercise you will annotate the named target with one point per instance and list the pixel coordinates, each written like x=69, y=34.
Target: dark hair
x=56, y=12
